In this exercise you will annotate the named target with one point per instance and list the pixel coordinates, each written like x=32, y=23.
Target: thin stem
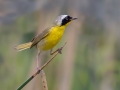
x=38, y=71
x=44, y=81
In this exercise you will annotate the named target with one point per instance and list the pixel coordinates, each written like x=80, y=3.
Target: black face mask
x=66, y=20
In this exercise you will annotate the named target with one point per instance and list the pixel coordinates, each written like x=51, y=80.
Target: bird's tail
x=23, y=46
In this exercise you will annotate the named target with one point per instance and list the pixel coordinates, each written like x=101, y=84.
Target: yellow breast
x=53, y=38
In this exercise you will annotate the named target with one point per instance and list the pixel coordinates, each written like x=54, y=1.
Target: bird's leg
x=37, y=60
x=59, y=50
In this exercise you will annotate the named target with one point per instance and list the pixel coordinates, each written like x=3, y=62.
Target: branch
x=39, y=70
x=44, y=81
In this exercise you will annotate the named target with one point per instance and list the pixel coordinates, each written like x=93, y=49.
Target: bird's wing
x=39, y=37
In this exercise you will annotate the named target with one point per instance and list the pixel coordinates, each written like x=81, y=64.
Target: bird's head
x=63, y=20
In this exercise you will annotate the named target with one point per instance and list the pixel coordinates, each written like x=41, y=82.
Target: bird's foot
x=60, y=50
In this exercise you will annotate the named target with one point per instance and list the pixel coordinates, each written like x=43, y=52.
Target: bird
x=49, y=37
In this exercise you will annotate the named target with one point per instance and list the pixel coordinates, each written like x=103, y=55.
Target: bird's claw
x=60, y=50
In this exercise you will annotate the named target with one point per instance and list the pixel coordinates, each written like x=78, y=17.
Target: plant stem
x=38, y=71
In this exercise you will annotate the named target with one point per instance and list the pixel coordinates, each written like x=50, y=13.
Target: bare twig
x=38, y=71
x=44, y=81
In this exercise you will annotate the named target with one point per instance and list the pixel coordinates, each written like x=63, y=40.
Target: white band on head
x=58, y=21
x=63, y=16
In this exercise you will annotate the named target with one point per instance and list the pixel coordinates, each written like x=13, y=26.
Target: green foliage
x=14, y=66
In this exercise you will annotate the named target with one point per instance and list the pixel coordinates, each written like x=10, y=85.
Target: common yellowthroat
x=48, y=38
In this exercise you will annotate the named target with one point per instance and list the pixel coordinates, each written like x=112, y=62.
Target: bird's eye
x=66, y=18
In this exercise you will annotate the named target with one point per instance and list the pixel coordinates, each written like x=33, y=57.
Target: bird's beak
x=74, y=18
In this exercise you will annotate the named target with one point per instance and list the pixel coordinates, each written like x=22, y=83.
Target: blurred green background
x=89, y=61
